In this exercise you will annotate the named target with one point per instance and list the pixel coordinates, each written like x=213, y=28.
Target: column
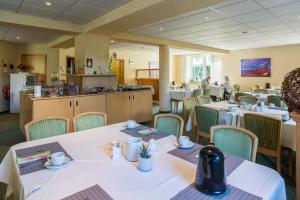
x=164, y=70
x=296, y=117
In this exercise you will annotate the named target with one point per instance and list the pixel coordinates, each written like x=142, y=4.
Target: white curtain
x=215, y=71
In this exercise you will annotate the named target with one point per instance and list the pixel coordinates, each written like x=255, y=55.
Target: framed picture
x=257, y=67
x=89, y=62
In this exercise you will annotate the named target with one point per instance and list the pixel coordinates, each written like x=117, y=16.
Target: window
x=200, y=67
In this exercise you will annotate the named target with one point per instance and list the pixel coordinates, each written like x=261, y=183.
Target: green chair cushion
x=47, y=128
x=274, y=99
x=206, y=118
x=89, y=121
x=168, y=125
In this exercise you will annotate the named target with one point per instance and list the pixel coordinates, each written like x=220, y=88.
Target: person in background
x=205, y=83
x=227, y=88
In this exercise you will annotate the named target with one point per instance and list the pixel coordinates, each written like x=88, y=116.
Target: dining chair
x=203, y=100
x=264, y=91
x=248, y=99
x=268, y=131
x=236, y=87
x=169, y=123
x=189, y=104
x=197, y=92
x=235, y=141
x=89, y=120
x=46, y=127
x=206, y=118
x=274, y=99
x=240, y=94
x=206, y=92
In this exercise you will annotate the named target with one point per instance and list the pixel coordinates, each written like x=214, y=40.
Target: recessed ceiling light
x=161, y=28
x=112, y=41
x=18, y=37
x=48, y=3
x=234, y=29
x=206, y=18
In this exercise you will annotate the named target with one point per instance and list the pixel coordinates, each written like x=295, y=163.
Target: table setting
x=162, y=168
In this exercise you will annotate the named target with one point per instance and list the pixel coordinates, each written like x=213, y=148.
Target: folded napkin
x=38, y=155
x=146, y=131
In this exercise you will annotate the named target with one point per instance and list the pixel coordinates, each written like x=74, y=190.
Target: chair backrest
x=264, y=91
x=206, y=118
x=169, y=123
x=255, y=87
x=237, y=87
x=197, y=92
x=240, y=94
x=274, y=99
x=206, y=92
x=248, y=99
x=189, y=104
x=46, y=127
x=193, y=86
x=89, y=120
x=235, y=141
x=203, y=100
x=267, y=129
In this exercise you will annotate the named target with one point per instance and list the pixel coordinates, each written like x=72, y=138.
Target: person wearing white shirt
x=227, y=88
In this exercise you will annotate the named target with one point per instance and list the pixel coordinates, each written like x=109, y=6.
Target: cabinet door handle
x=76, y=103
x=133, y=97
x=70, y=103
x=129, y=97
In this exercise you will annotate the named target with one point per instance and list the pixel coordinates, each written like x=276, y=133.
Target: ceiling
x=234, y=24
x=75, y=11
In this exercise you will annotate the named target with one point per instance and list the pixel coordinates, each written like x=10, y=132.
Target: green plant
x=144, y=151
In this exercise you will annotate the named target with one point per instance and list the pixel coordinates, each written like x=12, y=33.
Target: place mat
x=155, y=135
x=92, y=193
x=37, y=165
x=231, y=162
x=232, y=193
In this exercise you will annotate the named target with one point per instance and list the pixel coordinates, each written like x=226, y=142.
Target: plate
x=189, y=146
x=66, y=162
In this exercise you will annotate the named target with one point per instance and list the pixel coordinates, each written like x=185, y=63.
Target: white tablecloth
x=288, y=135
x=180, y=94
x=217, y=91
x=121, y=179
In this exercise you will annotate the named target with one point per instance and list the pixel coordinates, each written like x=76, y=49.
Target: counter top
x=93, y=75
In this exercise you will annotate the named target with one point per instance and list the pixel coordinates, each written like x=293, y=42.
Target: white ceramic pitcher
x=132, y=148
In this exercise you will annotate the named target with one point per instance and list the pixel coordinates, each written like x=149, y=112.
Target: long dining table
x=120, y=179
x=288, y=135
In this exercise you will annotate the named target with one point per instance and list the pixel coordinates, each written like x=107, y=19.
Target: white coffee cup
x=285, y=117
x=57, y=158
x=131, y=124
x=271, y=105
x=116, y=152
x=184, y=140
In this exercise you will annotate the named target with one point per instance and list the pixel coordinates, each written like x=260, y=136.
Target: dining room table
x=92, y=171
x=235, y=118
x=181, y=93
x=217, y=91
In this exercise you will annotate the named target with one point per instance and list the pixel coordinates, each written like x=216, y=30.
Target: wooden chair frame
x=26, y=127
x=180, y=120
x=201, y=134
x=247, y=132
x=266, y=151
x=89, y=113
x=270, y=96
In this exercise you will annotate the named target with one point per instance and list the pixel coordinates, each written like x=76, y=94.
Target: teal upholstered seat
x=240, y=94
x=197, y=92
x=248, y=99
x=203, y=100
x=206, y=92
x=274, y=99
x=235, y=141
x=89, y=120
x=206, y=118
x=268, y=131
x=48, y=127
x=169, y=123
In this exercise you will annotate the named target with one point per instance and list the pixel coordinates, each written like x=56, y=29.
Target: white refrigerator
x=17, y=82
x=4, y=103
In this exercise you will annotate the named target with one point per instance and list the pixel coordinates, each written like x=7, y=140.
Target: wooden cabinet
x=141, y=108
x=118, y=107
x=94, y=103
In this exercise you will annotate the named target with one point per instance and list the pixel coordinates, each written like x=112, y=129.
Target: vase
x=145, y=164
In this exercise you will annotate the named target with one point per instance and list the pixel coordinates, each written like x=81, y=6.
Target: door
x=118, y=68
x=142, y=106
x=118, y=107
x=93, y=103
x=59, y=107
x=17, y=82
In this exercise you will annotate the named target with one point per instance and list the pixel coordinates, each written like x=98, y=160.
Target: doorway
x=118, y=68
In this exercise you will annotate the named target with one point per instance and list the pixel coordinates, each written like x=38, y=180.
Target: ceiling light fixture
x=112, y=41
x=161, y=28
x=48, y=3
x=18, y=37
x=206, y=18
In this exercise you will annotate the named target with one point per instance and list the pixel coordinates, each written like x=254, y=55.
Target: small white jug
x=132, y=148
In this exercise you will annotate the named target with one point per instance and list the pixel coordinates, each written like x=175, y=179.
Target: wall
x=140, y=58
x=7, y=55
x=283, y=60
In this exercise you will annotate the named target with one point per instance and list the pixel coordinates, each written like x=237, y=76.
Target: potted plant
x=145, y=159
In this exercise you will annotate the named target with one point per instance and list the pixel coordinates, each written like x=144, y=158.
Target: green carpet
x=10, y=134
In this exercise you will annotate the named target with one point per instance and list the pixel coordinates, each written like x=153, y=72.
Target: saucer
x=66, y=162
x=189, y=146
x=132, y=127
